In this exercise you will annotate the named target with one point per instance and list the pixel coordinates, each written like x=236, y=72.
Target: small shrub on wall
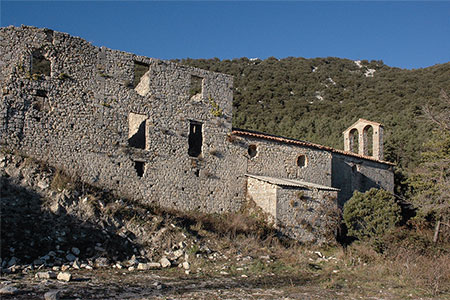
x=369, y=215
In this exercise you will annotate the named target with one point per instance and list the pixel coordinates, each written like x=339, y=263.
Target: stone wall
x=328, y=167
x=78, y=118
x=351, y=173
x=264, y=195
x=307, y=214
x=280, y=160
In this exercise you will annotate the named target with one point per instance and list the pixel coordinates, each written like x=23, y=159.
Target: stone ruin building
x=161, y=133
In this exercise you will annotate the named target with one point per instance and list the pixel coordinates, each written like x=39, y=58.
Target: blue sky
x=402, y=34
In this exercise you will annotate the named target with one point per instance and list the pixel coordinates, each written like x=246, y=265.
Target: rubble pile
x=49, y=222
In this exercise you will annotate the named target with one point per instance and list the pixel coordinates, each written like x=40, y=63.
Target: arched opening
x=301, y=161
x=252, y=151
x=368, y=140
x=354, y=140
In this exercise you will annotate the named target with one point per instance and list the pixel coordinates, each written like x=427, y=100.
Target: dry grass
x=432, y=274
x=418, y=270
x=61, y=181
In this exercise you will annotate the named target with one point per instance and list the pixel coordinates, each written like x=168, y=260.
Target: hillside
x=317, y=99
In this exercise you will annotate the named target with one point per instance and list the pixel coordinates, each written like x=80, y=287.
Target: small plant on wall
x=63, y=76
x=215, y=109
x=301, y=195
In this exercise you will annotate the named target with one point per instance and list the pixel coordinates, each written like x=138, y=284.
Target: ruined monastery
x=158, y=132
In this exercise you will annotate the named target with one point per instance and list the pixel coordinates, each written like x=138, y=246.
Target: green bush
x=369, y=215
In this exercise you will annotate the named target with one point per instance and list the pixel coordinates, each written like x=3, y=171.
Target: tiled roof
x=292, y=182
x=244, y=132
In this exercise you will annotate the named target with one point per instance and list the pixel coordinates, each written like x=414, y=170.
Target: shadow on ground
x=28, y=231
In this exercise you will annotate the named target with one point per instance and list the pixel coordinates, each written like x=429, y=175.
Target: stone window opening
x=252, y=150
x=137, y=131
x=195, y=139
x=368, y=140
x=302, y=161
x=40, y=101
x=139, y=166
x=196, y=86
x=354, y=140
x=40, y=65
x=140, y=69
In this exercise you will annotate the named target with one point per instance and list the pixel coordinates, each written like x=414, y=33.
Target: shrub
x=369, y=215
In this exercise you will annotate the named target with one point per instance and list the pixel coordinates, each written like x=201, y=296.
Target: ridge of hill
x=317, y=99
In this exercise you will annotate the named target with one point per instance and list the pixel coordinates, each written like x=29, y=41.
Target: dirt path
x=120, y=284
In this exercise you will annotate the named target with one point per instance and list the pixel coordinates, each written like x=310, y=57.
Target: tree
x=430, y=181
x=369, y=215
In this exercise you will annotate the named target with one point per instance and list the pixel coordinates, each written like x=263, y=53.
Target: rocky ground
x=115, y=284
x=61, y=239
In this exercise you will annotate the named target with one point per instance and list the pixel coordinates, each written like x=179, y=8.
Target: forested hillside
x=317, y=99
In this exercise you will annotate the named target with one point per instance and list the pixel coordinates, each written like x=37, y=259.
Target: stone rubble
x=64, y=256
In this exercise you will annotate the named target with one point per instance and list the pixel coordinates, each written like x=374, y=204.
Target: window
x=368, y=140
x=139, y=166
x=40, y=65
x=301, y=161
x=196, y=85
x=139, y=70
x=195, y=139
x=354, y=140
x=252, y=151
x=136, y=130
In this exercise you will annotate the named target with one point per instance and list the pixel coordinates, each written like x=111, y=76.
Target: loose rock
x=8, y=290
x=64, y=276
x=76, y=264
x=178, y=253
x=148, y=266
x=71, y=257
x=45, y=275
x=76, y=251
x=52, y=295
x=165, y=263
x=101, y=262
